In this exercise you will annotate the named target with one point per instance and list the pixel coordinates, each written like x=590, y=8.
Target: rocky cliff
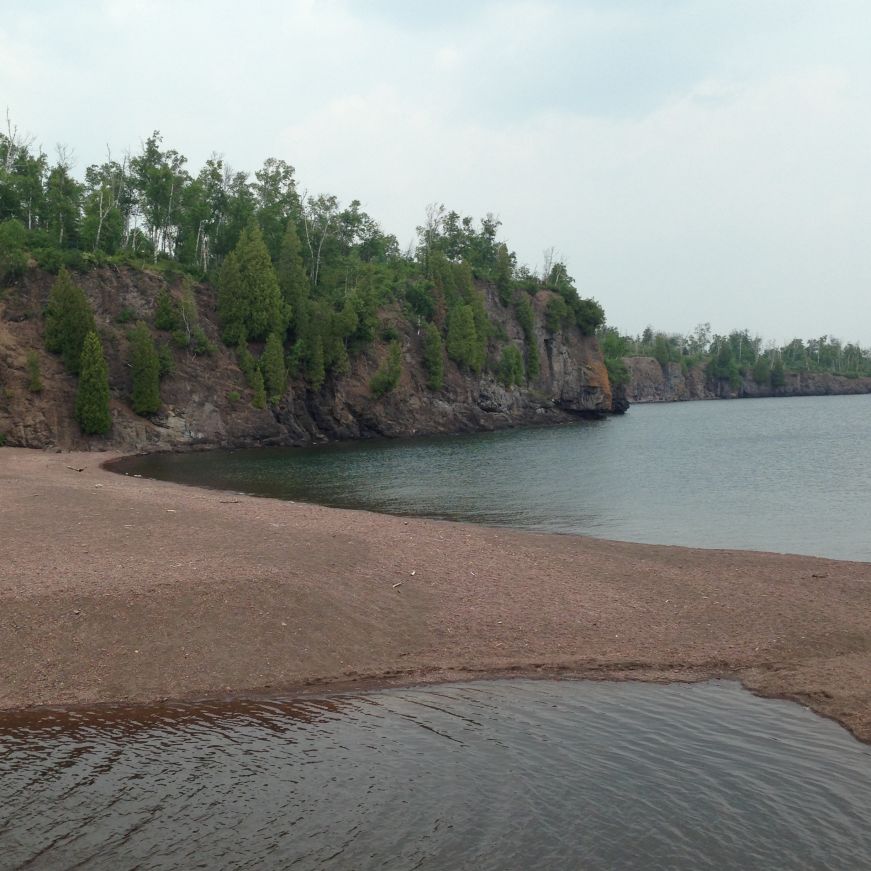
x=206, y=401
x=651, y=382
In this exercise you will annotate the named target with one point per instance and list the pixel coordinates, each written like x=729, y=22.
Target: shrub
x=389, y=374
x=34, y=376
x=433, y=357
x=511, y=366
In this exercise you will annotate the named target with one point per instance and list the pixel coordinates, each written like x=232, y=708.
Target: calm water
x=500, y=775
x=789, y=475
x=492, y=775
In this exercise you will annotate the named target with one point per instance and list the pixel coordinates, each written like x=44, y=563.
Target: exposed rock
x=207, y=403
x=651, y=382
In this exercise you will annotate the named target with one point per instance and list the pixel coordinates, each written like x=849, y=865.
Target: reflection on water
x=789, y=475
x=491, y=775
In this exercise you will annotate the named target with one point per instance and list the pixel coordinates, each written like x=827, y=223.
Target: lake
x=493, y=774
x=789, y=475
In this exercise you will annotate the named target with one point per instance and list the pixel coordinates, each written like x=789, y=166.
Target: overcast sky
x=706, y=160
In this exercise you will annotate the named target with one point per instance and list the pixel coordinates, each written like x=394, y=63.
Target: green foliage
x=315, y=370
x=526, y=319
x=13, y=257
x=387, y=377
x=166, y=315
x=463, y=344
x=778, y=376
x=249, y=298
x=433, y=357
x=125, y=316
x=259, y=388
x=556, y=314
x=233, y=397
x=92, y=397
x=292, y=278
x=762, y=370
x=68, y=319
x=274, y=371
x=145, y=363
x=511, y=367
x=502, y=274
x=165, y=360
x=34, y=376
x=246, y=362
x=618, y=371
x=2, y=439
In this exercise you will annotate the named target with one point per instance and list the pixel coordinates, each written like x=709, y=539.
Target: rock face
x=651, y=382
x=206, y=401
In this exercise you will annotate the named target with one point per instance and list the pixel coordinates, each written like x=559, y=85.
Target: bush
x=34, y=376
x=233, y=397
x=13, y=257
x=166, y=315
x=388, y=376
x=145, y=363
x=433, y=357
x=511, y=367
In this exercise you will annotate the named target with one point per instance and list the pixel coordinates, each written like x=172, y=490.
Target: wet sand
x=120, y=589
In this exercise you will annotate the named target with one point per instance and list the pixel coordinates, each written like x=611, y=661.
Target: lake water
x=493, y=775
x=788, y=475
x=501, y=774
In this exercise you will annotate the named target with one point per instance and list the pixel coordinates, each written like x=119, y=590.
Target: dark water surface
x=788, y=475
x=493, y=775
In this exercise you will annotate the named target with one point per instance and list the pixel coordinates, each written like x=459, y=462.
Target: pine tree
x=511, y=366
x=314, y=365
x=273, y=369
x=433, y=357
x=259, y=399
x=34, y=376
x=292, y=279
x=249, y=299
x=166, y=315
x=68, y=319
x=463, y=345
x=92, y=398
x=387, y=377
x=502, y=276
x=146, y=371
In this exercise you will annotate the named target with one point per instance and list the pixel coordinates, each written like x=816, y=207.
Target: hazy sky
x=706, y=160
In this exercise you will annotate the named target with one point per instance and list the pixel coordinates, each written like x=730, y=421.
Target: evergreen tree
x=387, y=377
x=68, y=320
x=249, y=299
x=292, y=279
x=259, y=399
x=165, y=313
x=34, y=376
x=502, y=276
x=762, y=370
x=433, y=357
x=511, y=366
x=273, y=368
x=778, y=377
x=146, y=371
x=92, y=398
x=525, y=317
x=463, y=345
x=246, y=362
x=314, y=366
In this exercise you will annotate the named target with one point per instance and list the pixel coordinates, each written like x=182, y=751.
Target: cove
x=788, y=475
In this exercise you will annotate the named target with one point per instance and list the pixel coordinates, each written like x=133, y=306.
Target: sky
x=691, y=160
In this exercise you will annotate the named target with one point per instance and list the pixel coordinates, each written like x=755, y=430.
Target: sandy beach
x=118, y=588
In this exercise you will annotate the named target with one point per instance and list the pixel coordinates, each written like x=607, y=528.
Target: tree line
x=738, y=354
x=302, y=280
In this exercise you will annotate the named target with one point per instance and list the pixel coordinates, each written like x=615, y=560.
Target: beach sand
x=122, y=589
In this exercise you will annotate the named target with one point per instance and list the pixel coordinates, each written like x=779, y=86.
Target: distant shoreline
x=124, y=590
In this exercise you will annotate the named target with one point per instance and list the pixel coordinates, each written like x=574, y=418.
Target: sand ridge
x=115, y=588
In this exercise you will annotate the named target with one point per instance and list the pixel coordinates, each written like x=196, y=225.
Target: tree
x=68, y=319
x=92, y=398
x=762, y=370
x=502, y=276
x=249, y=299
x=259, y=398
x=273, y=368
x=433, y=357
x=462, y=344
x=34, y=376
x=526, y=319
x=511, y=366
x=778, y=377
x=13, y=259
x=146, y=371
x=292, y=279
x=387, y=377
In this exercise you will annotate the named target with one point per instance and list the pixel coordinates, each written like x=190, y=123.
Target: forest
x=736, y=355
x=300, y=278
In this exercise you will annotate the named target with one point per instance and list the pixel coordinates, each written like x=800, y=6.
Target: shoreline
x=105, y=603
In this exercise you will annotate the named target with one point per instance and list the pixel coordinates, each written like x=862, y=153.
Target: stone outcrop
x=649, y=381
x=206, y=402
